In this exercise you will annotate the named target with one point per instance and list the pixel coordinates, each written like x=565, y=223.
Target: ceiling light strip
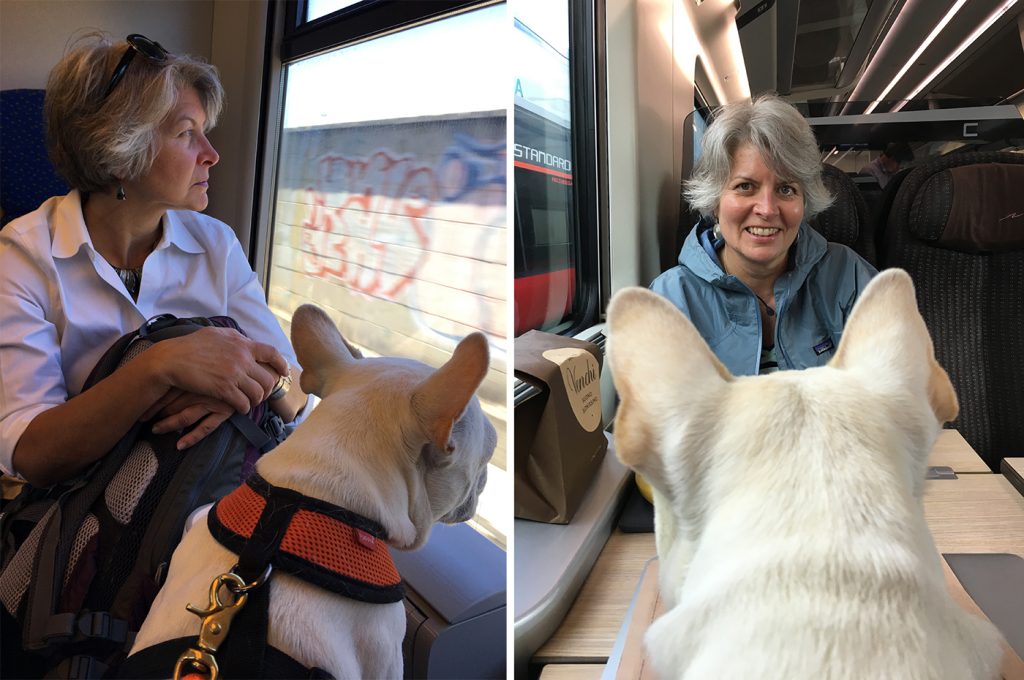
x=992, y=18
x=917, y=53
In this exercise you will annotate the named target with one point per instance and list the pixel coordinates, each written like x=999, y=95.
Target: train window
x=701, y=111
x=553, y=83
x=390, y=199
x=545, y=270
x=321, y=8
x=700, y=125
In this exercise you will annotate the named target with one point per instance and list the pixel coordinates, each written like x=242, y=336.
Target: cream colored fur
x=788, y=507
x=393, y=440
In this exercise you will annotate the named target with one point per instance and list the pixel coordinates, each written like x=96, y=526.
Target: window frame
x=371, y=18
x=588, y=207
x=586, y=89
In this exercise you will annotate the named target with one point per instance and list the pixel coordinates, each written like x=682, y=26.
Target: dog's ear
x=887, y=336
x=661, y=367
x=439, y=400
x=321, y=350
x=941, y=394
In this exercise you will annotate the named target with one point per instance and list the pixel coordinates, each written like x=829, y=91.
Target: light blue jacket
x=813, y=299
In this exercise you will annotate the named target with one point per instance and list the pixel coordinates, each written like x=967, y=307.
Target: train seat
x=957, y=226
x=879, y=207
x=847, y=220
x=872, y=193
x=26, y=176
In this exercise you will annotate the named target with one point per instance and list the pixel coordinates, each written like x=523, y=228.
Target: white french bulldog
x=393, y=440
x=788, y=507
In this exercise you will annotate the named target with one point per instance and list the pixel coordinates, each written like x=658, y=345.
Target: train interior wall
x=35, y=33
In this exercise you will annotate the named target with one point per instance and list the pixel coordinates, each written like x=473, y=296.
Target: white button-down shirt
x=62, y=305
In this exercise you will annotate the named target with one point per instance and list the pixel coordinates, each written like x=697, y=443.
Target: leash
x=216, y=622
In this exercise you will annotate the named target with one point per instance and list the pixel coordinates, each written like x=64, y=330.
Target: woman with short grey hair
x=127, y=127
x=95, y=147
x=764, y=289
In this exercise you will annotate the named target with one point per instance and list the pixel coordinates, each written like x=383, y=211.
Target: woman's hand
x=219, y=363
x=200, y=379
x=179, y=410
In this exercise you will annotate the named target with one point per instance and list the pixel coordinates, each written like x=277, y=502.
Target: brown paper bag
x=559, y=434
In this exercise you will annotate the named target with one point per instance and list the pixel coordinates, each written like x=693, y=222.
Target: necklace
x=132, y=280
x=768, y=308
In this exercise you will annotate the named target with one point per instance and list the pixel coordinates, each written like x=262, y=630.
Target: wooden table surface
x=572, y=671
x=1013, y=468
x=974, y=513
x=952, y=450
x=981, y=513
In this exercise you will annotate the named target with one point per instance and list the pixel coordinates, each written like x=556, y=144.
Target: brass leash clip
x=216, y=622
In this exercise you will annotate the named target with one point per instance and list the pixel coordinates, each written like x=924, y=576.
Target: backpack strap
x=28, y=507
x=256, y=435
x=42, y=626
x=79, y=666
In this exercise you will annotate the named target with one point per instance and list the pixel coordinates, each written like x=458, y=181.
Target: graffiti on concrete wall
x=469, y=165
x=366, y=220
x=352, y=240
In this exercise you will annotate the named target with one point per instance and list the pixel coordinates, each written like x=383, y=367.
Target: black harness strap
x=266, y=538
x=157, y=662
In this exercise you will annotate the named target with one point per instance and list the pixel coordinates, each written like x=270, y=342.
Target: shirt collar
x=70, y=232
x=176, y=234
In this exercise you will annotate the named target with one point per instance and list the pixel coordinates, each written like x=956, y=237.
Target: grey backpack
x=82, y=561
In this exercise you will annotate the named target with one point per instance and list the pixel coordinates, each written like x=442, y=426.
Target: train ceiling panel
x=863, y=50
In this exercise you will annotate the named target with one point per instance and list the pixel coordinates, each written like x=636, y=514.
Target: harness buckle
x=194, y=660
x=217, y=617
x=216, y=623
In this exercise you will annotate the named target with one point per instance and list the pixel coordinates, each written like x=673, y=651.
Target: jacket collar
x=70, y=233
x=700, y=255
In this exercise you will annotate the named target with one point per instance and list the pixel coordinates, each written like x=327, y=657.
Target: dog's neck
x=381, y=485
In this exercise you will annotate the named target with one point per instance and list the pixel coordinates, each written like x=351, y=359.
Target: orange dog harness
x=311, y=539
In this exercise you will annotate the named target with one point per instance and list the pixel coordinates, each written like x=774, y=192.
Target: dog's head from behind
x=697, y=433
x=421, y=439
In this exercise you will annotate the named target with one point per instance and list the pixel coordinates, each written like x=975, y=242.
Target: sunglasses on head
x=150, y=49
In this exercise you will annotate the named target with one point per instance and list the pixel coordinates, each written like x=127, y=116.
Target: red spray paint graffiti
x=375, y=241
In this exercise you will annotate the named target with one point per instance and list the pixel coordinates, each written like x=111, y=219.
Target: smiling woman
x=764, y=290
x=759, y=216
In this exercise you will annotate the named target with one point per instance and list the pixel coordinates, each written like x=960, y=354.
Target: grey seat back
x=957, y=226
x=847, y=220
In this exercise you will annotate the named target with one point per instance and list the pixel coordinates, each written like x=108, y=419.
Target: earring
x=120, y=192
x=716, y=231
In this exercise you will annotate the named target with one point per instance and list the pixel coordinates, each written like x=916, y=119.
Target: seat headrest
x=972, y=209
x=26, y=176
x=839, y=222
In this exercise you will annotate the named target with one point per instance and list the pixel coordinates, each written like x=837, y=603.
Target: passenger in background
x=127, y=125
x=763, y=288
x=888, y=162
